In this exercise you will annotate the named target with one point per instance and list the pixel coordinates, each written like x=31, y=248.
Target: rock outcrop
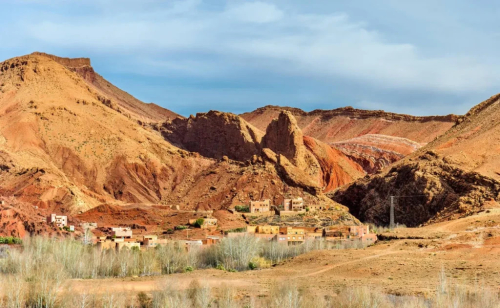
x=66, y=146
x=336, y=169
x=376, y=152
x=215, y=134
x=305, y=161
x=127, y=103
x=345, y=123
x=426, y=188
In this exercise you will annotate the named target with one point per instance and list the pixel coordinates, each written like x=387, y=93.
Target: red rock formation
x=67, y=146
x=336, y=168
x=376, y=152
x=130, y=105
x=214, y=134
x=426, y=189
x=346, y=123
x=458, y=174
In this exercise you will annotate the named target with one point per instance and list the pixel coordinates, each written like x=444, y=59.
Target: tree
x=87, y=237
x=199, y=222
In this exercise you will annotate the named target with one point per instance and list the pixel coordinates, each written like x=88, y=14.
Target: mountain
x=345, y=123
x=126, y=102
x=454, y=176
x=375, y=152
x=70, y=141
x=302, y=161
x=372, y=139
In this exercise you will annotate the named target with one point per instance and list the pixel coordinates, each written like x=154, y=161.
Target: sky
x=416, y=57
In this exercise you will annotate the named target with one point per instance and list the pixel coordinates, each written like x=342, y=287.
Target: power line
x=391, y=210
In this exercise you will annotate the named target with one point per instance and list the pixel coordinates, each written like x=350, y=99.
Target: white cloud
x=201, y=40
x=256, y=12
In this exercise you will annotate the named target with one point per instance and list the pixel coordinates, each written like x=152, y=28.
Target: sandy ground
x=467, y=250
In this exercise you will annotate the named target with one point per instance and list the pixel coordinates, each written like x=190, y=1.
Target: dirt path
x=330, y=267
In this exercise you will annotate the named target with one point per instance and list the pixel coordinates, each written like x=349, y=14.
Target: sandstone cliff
x=376, y=152
x=126, y=102
x=457, y=174
x=214, y=134
x=346, y=123
x=67, y=146
x=426, y=189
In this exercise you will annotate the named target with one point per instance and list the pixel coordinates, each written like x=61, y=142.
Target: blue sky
x=416, y=57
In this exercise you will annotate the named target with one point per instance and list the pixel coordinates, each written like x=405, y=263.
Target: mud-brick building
x=123, y=232
x=295, y=205
x=58, y=220
x=260, y=206
x=207, y=222
x=293, y=235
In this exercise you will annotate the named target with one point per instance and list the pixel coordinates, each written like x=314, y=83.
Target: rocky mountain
x=124, y=101
x=215, y=134
x=451, y=177
x=373, y=139
x=375, y=152
x=345, y=123
x=300, y=160
x=69, y=145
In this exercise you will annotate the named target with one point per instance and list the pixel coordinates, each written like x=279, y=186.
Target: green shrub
x=242, y=209
x=252, y=265
x=188, y=269
x=181, y=227
x=236, y=230
x=10, y=240
x=199, y=222
x=221, y=267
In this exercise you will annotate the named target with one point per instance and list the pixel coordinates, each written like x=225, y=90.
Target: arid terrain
x=72, y=143
x=408, y=262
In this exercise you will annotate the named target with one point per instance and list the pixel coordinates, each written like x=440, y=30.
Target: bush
x=220, y=267
x=10, y=240
x=242, y=209
x=252, y=265
x=199, y=222
x=188, y=269
x=237, y=230
x=181, y=227
x=144, y=300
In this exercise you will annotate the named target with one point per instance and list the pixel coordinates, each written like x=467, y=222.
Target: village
x=203, y=231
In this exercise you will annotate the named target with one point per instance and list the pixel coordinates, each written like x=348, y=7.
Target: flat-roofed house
x=267, y=229
x=260, y=206
x=58, y=220
x=207, y=222
x=295, y=205
x=293, y=235
x=124, y=232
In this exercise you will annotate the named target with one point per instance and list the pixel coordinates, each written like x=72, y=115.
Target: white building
x=60, y=221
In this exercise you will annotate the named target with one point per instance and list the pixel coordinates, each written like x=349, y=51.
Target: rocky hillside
x=67, y=145
x=474, y=144
x=126, y=102
x=214, y=134
x=453, y=176
x=376, y=152
x=345, y=123
x=301, y=161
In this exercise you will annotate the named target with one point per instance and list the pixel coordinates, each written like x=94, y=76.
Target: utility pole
x=391, y=222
